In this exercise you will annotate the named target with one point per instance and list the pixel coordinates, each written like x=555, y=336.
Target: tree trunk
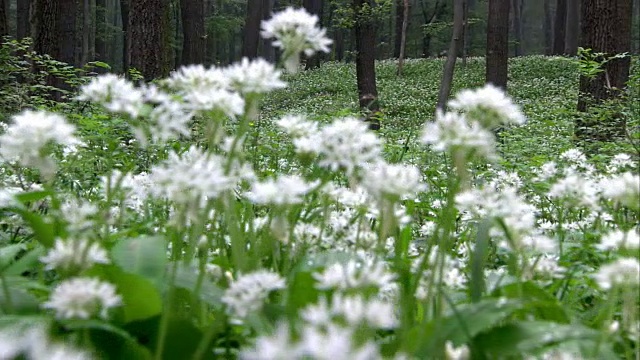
x=573, y=27
x=606, y=28
x=313, y=7
x=124, y=13
x=22, y=18
x=428, y=20
x=67, y=29
x=46, y=18
x=365, y=33
x=147, y=38
x=194, y=43
x=399, y=16
x=452, y=55
x=251, y=35
x=4, y=26
x=498, y=43
x=548, y=28
x=560, y=27
x=101, y=31
x=86, y=26
x=403, y=36
x=469, y=8
x=268, y=51
x=338, y=45
x=517, y=26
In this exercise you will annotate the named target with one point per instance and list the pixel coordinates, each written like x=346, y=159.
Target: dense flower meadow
x=199, y=251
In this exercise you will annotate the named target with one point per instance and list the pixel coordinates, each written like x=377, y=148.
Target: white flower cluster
x=354, y=309
x=353, y=275
x=32, y=343
x=74, y=255
x=284, y=190
x=248, y=293
x=83, y=298
x=618, y=239
x=623, y=189
x=622, y=272
x=295, y=31
x=26, y=139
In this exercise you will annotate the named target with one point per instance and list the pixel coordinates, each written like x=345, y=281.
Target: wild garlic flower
x=455, y=133
x=353, y=309
x=354, y=274
x=618, y=239
x=248, y=293
x=168, y=118
x=624, y=271
x=395, y=181
x=197, y=78
x=620, y=162
x=623, y=189
x=32, y=342
x=193, y=177
x=83, y=298
x=29, y=134
x=488, y=105
x=114, y=93
x=456, y=353
x=228, y=102
x=334, y=342
x=347, y=145
x=74, y=255
x=576, y=190
x=78, y=214
x=295, y=31
x=254, y=76
x=297, y=126
x=277, y=346
x=284, y=190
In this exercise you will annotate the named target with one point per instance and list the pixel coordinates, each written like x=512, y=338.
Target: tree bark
x=517, y=26
x=498, y=43
x=313, y=7
x=548, y=28
x=268, y=51
x=67, y=29
x=22, y=18
x=365, y=33
x=399, y=16
x=4, y=26
x=606, y=28
x=560, y=27
x=46, y=18
x=251, y=35
x=124, y=13
x=403, y=36
x=452, y=55
x=194, y=43
x=147, y=38
x=100, y=33
x=573, y=27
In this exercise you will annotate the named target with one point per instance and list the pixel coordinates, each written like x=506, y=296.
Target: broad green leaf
x=27, y=262
x=27, y=197
x=140, y=297
x=539, y=302
x=16, y=299
x=8, y=254
x=209, y=293
x=44, y=232
x=144, y=256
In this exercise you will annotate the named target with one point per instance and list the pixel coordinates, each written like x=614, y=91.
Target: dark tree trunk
x=194, y=43
x=338, y=45
x=399, y=16
x=573, y=27
x=560, y=27
x=517, y=26
x=251, y=35
x=548, y=28
x=428, y=20
x=606, y=28
x=67, y=29
x=268, y=50
x=403, y=35
x=452, y=55
x=22, y=18
x=4, y=26
x=313, y=7
x=101, y=31
x=498, y=42
x=46, y=20
x=124, y=13
x=147, y=38
x=365, y=33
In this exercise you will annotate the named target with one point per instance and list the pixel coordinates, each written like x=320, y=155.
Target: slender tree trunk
x=498, y=43
x=470, y=6
x=399, y=16
x=636, y=9
x=268, y=51
x=4, y=26
x=560, y=27
x=606, y=28
x=338, y=45
x=548, y=28
x=403, y=36
x=147, y=38
x=194, y=42
x=22, y=18
x=100, y=31
x=573, y=27
x=365, y=33
x=452, y=55
x=516, y=6
x=86, y=26
x=251, y=36
x=428, y=20
x=124, y=13
x=67, y=30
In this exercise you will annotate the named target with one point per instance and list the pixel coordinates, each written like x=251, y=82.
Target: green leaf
x=44, y=232
x=8, y=254
x=209, y=293
x=27, y=197
x=539, y=302
x=29, y=261
x=538, y=336
x=140, y=298
x=144, y=256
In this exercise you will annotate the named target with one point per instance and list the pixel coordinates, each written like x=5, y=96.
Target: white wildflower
x=248, y=293
x=115, y=93
x=618, y=239
x=384, y=180
x=228, y=102
x=624, y=271
x=30, y=132
x=74, y=254
x=295, y=31
x=284, y=190
x=491, y=99
x=354, y=274
x=333, y=343
x=254, y=76
x=355, y=310
x=168, y=119
x=453, y=132
x=620, y=162
x=623, y=189
x=83, y=298
x=196, y=78
x=456, y=353
x=277, y=346
x=576, y=190
x=297, y=125
x=78, y=214
x=32, y=343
